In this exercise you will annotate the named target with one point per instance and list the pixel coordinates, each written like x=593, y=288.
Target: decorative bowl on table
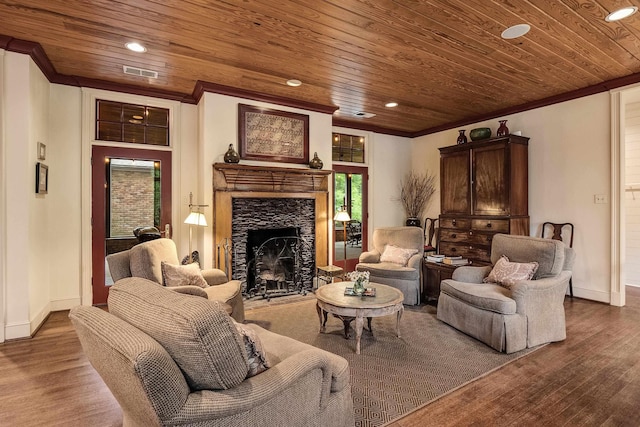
x=480, y=133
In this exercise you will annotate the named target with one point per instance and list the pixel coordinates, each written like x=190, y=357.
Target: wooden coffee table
x=331, y=299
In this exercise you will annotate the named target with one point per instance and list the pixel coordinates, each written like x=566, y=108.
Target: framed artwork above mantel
x=272, y=136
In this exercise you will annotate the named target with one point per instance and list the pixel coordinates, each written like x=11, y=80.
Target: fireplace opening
x=290, y=222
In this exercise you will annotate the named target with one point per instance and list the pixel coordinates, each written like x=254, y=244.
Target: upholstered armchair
x=146, y=259
x=527, y=309
x=396, y=260
x=173, y=359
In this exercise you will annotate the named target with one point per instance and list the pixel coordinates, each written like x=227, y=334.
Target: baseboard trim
x=65, y=304
x=593, y=295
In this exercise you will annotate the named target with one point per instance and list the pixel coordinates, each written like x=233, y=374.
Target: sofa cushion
x=397, y=255
x=486, y=296
x=507, y=274
x=196, y=332
x=388, y=269
x=182, y=275
x=146, y=258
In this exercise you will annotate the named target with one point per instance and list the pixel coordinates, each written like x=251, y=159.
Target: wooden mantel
x=237, y=177
x=242, y=181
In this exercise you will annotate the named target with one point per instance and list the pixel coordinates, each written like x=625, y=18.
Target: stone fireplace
x=257, y=199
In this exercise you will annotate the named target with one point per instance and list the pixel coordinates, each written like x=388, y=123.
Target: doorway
x=350, y=184
x=130, y=188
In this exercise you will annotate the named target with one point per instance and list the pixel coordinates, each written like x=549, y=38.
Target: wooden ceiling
x=443, y=61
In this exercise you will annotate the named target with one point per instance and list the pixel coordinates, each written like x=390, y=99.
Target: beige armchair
x=530, y=313
x=145, y=260
x=400, y=272
x=172, y=359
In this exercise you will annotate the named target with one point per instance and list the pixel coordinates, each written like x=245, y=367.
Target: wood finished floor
x=592, y=378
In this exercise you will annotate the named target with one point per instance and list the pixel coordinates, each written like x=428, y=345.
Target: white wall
x=632, y=193
x=569, y=162
x=64, y=219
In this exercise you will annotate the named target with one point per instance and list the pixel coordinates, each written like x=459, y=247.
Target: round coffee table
x=331, y=299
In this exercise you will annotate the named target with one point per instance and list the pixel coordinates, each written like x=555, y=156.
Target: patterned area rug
x=392, y=376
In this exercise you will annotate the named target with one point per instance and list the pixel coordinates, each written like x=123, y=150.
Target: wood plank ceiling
x=443, y=61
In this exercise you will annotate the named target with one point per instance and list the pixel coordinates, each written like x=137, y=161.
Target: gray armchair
x=509, y=320
x=145, y=260
x=171, y=359
x=405, y=277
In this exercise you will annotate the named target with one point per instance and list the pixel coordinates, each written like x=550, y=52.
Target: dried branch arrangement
x=417, y=189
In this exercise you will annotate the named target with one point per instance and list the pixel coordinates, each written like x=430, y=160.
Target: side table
x=328, y=273
x=432, y=274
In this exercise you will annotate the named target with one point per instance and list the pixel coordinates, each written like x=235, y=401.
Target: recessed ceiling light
x=515, y=31
x=364, y=114
x=135, y=47
x=621, y=13
x=294, y=83
x=391, y=104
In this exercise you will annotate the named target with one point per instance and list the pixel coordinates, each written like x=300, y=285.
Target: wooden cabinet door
x=455, y=196
x=490, y=180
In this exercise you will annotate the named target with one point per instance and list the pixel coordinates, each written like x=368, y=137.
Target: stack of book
x=435, y=258
x=455, y=260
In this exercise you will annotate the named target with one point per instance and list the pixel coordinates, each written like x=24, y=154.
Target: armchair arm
x=254, y=391
x=471, y=274
x=214, y=276
x=189, y=290
x=415, y=261
x=370, y=256
x=533, y=296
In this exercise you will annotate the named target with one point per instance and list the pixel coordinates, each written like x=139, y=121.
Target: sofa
x=145, y=260
x=396, y=260
x=175, y=359
x=519, y=313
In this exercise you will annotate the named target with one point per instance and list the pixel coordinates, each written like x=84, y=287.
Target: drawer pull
x=453, y=222
x=488, y=225
x=471, y=233
x=453, y=249
x=454, y=235
x=470, y=247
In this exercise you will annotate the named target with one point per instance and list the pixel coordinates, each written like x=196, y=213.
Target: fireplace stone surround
x=235, y=181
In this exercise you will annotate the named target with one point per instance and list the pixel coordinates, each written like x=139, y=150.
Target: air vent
x=363, y=114
x=140, y=72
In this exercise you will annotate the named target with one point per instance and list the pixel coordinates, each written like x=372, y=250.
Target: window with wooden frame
x=139, y=124
x=347, y=148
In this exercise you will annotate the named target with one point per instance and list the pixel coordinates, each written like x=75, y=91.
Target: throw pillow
x=256, y=355
x=506, y=273
x=182, y=275
x=397, y=255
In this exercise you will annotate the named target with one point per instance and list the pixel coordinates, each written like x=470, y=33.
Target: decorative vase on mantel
x=413, y=222
x=503, y=130
x=231, y=156
x=315, y=163
x=462, y=138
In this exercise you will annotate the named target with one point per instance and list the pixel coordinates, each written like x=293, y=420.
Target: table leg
x=398, y=320
x=320, y=315
x=369, y=325
x=359, y=325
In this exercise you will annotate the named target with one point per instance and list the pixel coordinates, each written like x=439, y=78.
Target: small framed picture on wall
x=42, y=151
x=42, y=178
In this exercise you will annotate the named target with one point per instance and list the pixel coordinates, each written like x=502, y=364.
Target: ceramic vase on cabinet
x=462, y=138
x=503, y=130
x=231, y=156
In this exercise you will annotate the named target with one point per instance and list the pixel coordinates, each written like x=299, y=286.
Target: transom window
x=139, y=124
x=347, y=148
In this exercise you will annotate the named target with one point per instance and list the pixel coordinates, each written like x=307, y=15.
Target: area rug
x=392, y=376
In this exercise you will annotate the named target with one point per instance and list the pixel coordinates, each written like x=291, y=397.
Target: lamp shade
x=196, y=218
x=342, y=216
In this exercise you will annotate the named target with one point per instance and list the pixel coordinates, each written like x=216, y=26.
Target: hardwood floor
x=592, y=378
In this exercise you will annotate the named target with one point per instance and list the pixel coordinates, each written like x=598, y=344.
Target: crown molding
x=202, y=87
